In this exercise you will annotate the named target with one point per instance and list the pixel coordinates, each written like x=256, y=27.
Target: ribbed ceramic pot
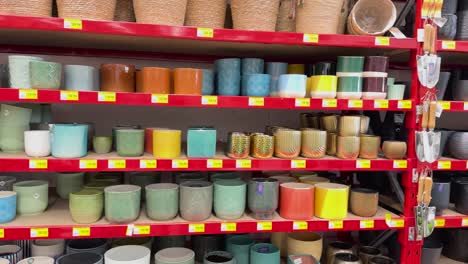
x=122, y=203
x=204, y=244
x=331, y=200
x=166, y=143
x=228, y=73
x=367, y=252
x=143, y=179
x=252, y=66
x=48, y=247
x=81, y=78
x=69, y=140
x=394, y=149
x=239, y=246
x=330, y=123
x=188, y=81
x=262, y=146
x=348, y=147
x=219, y=257
x=313, y=179
x=287, y=143
x=7, y=206
x=256, y=84
x=118, y=78
x=82, y=258
x=86, y=206
x=346, y=258
x=337, y=247
x=238, y=145
x=131, y=254
x=6, y=183
x=162, y=201
x=69, y=182
x=37, y=143
x=440, y=195
x=297, y=201
x=305, y=243
x=332, y=139
x=350, y=64
x=263, y=194
x=196, y=200
x=396, y=91
x=18, y=67
x=364, y=202
x=37, y=260
x=349, y=125
x=369, y=146
x=102, y=145
x=32, y=197
x=229, y=198
x=45, y=75
x=130, y=142
x=94, y=245
x=175, y=255
x=314, y=143
x=201, y=142
x=13, y=253
x=264, y=253
x=208, y=82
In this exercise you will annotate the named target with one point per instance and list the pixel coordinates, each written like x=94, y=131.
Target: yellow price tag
x=196, y=228
x=209, y=100
x=244, y=164
x=302, y=102
x=38, y=164
x=69, y=96
x=382, y=41
x=440, y=222
x=365, y=224
x=444, y=164
x=335, y=224
x=88, y=164
x=298, y=164
x=39, y=232
x=141, y=230
x=300, y=225
x=310, y=38
x=449, y=45
x=404, y=104
x=264, y=226
x=73, y=24
x=205, y=32
x=394, y=222
x=228, y=227
x=106, y=97
x=179, y=164
x=214, y=164
x=81, y=232
x=400, y=164
x=465, y=106
x=354, y=103
x=148, y=164
x=464, y=223
x=329, y=103
x=2, y=233
x=363, y=164
x=116, y=164
x=381, y=104
x=159, y=98
x=256, y=101
x=446, y=105
x=28, y=94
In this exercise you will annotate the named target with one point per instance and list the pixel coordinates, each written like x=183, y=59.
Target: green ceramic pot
x=196, y=200
x=224, y=176
x=396, y=92
x=122, y=203
x=32, y=197
x=229, y=198
x=350, y=64
x=102, y=145
x=130, y=142
x=181, y=177
x=239, y=246
x=68, y=183
x=142, y=179
x=45, y=75
x=350, y=84
x=86, y=206
x=264, y=253
x=162, y=201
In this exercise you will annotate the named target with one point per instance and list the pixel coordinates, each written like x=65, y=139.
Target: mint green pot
x=229, y=198
x=86, y=206
x=264, y=253
x=102, y=145
x=162, y=201
x=239, y=246
x=143, y=179
x=349, y=84
x=122, y=203
x=130, y=142
x=45, y=75
x=32, y=197
x=68, y=183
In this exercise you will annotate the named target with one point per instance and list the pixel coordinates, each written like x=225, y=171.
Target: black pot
x=206, y=243
x=382, y=260
x=440, y=195
x=461, y=195
x=455, y=249
x=431, y=252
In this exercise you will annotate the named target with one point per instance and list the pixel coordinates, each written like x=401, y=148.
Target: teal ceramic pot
x=229, y=198
x=45, y=75
x=32, y=197
x=181, y=177
x=162, y=201
x=130, y=142
x=349, y=87
x=86, y=206
x=239, y=246
x=230, y=175
x=81, y=78
x=68, y=183
x=219, y=257
x=175, y=255
x=256, y=84
x=292, y=86
x=263, y=197
x=201, y=142
x=7, y=206
x=252, y=66
x=163, y=242
x=228, y=76
x=19, y=70
x=196, y=200
x=396, y=92
x=122, y=203
x=350, y=64
x=69, y=140
x=275, y=69
x=6, y=183
x=390, y=81
x=143, y=179
x=102, y=145
x=207, y=82
x=205, y=244
x=264, y=253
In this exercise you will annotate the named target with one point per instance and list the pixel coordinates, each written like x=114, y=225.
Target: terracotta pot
x=364, y=202
x=348, y=147
x=369, y=146
x=118, y=78
x=297, y=201
x=287, y=143
x=331, y=200
x=337, y=247
x=149, y=138
x=314, y=143
x=394, y=149
x=331, y=143
x=153, y=80
x=349, y=125
x=305, y=243
x=188, y=81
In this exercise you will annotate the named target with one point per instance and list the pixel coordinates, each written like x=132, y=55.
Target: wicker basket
x=164, y=12
x=26, y=8
x=284, y=22
x=319, y=16
x=206, y=13
x=124, y=11
x=372, y=17
x=255, y=14
x=87, y=9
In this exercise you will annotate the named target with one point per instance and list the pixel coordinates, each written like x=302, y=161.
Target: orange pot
x=153, y=80
x=188, y=81
x=118, y=78
x=297, y=201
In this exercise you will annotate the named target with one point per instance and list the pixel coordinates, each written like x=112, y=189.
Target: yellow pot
x=323, y=86
x=166, y=143
x=331, y=200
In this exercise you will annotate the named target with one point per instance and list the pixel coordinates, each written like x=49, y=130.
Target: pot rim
x=100, y=260
x=31, y=183
x=162, y=186
x=122, y=188
x=167, y=254
x=297, y=186
x=364, y=190
x=262, y=180
x=382, y=258
x=340, y=245
x=346, y=257
x=140, y=253
x=369, y=250
x=7, y=194
x=196, y=184
x=229, y=182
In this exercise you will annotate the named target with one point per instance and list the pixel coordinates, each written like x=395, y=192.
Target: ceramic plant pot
x=264, y=253
x=314, y=143
x=37, y=143
x=102, y=145
x=68, y=183
x=313, y=179
x=166, y=143
x=188, y=81
x=337, y=247
x=6, y=183
x=196, y=200
x=305, y=243
x=238, y=145
x=86, y=206
x=287, y=143
x=297, y=201
x=205, y=244
x=349, y=126
x=163, y=242
x=162, y=201
x=219, y=257
x=208, y=82
x=280, y=240
x=284, y=179
x=347, y=147
x=118, y=78
x=349, y=72
x=12, y=137
x=130, y=142
x=7, y=206
x=252, y=66
x=256, y=84
x=122, y=203
x=456, y=145
x=216, y=176
x=396, y=91
x=275, y=69
x=262, y=146
x=292, y=86
x=181, y=177
x=431, y=251
x=201, y=142
x=81, y=78
x=330, y=123
x=128, y=254
x=453, y=247
x=364, y=202
x=13, y=253
x=228, y=76
x=460, y=195
x=323, y=86
x=346, y=258
x=19, y=69
x=381, y=260
x=37, y=260
x=175, y=255
x=45, y=75
x=143, y=179
x=32, y=197
x=394, y=149
x=331, y=200
x=263, y=197
x=367, y=252
x=69, y=140
x=440, y=195
x=48, y=247
x=97, y=246
x=153, y=80
x=229, y=198
x=332, y=139
x=369, y=146
x=239, y=246
x=82, y=258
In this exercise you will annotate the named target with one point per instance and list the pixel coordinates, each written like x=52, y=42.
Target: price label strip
x=382, y=41
x=298, y=164
x=141, y=230
x=69, y=96
x=446, y=105
x=256, y=101
x=28, y=94
x=38, y=164
x=465, y=106
x=302, y=102
x=196, y=228
x=400, y=164
x=264, y=226
x=363, y=164
x=159, y=98
x=381, y=104
x=440, y=222
x=209, y=100
x=300, y=225
x=2, y=233
x=355, y=103
x=366, y=224
x=404, y=104
x=329, y=103
x=243, y=164
x=180, y=164
x=394, y=222
x=444, y=164
x=148, y=164
x=72, y=24
x=39, y=232
x=449, y=45
x=81, y=232
x=116, y=164
x=106, y=97
x=228, y=227
x=335, y=224
x=463, y=223
x=310, y=38
x=214, y=164
x=205, y=32
x=88, y=164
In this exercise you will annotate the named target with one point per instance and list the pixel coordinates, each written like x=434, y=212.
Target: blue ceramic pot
x=252, y=66
x=228, y=76
x=256, y=84
x=7, y=206
x=264, y=253
x=275, y=69
x=239, y=246
x=292, y=85
x=201, y=142
x=69, y=140
x=207, y=82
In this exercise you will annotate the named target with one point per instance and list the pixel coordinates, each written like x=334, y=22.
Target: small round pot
x=196, y=200
x=440, y=195
x=431, y=251
x=37, y=260
x=349, y=125
x=305, y=243
x=239, y=246
x=369, y=146
x=162, y=201
x=314, y=143
x=97, y=246
x=188, y=81
x=130, y=142
x=86, y=206
x=394, y=149
x=264, y=253
x=229, y=198
x=287, y=143
x=205, y=244
x=32, y=197
x=348, y=147
x=102, y=145
x=175, y=255
x=364, y=202
x=346, y=258
x=128, y=255
x=383, y=260
x=37, y=143
x=263, y=197
x=219, y=257
x=50, y=248
x=337, y=247
x=7, y=206
x=331, y=200
x=297, y=201
x=6, y=183
x=367, y=252
x=82, y=258
x=122, y=203
x=68, y=183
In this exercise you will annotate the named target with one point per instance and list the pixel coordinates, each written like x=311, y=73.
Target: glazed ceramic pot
x=13, y=253
x=314, y=143
x=350, y=64
x=68, y=183
x=204, y=244
x=347, y=147
x=174, y=255
x=18, y=67
x=81, y=78
x=37, y=260
x=396, y=92
x=337, y=247
x=369, y=146
x=262, y=146
x=226, y=175
x=263, y=197
x=330, y=123
x=208, y=82
x=287, y=143
x=228, y=76
x=188, y=81
x=349, y=126
x=45, y=75
x=118, y=78
x=264, y=253
x=82, y=258
x=122, y=203
x=252, y=66
x=163, y=242
x=6, y=183
x=37, y=143
x=48, y=247
x=331, y=200
x=292, y=86
x=305, y=243
x=12, y=137
x=201, y=142
x=256, y=84
x=275, y=69
x=229, y=198
x=238, y=145
x=431, y=252
x=364, y=202
x=297, y=201
x=394, y=149
x=349, y=73
x=196, y=200
x=375, y=77
x=166, y=143
x=102, y=145
x=323, y=86
x=32, y=197
x=332, y=139
x=130, y=142
x=440, y=195
x=367, y=252
x=456, y=145
x=365, y=121
x=460, y=194
x=7, y=206
x=115, y=128
x=69, y=140
x=86, y=206
x=181, y=177
x=313, y=179
x=153, y=80
x=15, y=115
x=97, y=245
x=219, y=257
x=239, y=246
x=131, y=254
x=347, y=258
x=162, y=201
x=143, y=179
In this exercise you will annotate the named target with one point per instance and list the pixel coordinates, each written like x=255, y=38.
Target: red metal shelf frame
x=454, y=106
x=449, y=164
x=452, y=221
x=452, y=46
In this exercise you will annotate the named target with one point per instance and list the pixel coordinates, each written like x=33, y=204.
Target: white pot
x=37, y=143
x=50, y=248
x=37, y=260
x=128, y=255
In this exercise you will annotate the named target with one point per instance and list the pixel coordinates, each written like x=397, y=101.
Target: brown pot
x=337, y=247
x=394, y=149
x=364, y=202
x=370, y=146
x=153, y=80
x=348, y=147
x=118, y=78
x=188, y=81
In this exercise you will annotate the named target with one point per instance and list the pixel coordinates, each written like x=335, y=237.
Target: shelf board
x=451, y=219
x=112, y=162
x=447, y=164
x=60, y=225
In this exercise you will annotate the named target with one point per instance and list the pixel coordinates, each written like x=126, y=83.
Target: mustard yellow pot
x=331, y=200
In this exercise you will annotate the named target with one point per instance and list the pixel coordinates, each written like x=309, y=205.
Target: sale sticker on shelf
x=310, y=38
x=81, y=232
x=39, y=232
x=107, y=97
x=214, y=164
x=400, y=164
x=243, y=164
x=363, y=164
x=404, y=104
x=300, y=225
x=228, y=227
x=329, y=103
x=38, y=164
x=264, y=226
x=196, y=228
x=88, y=164
x=464, y=222
x=298, y=164
x=116, y=164
x=444, y=164
x=394, y=222
x=2, y=233
x=449, y=45
x=205, y=32
x=380, y=104
x=382, y=41
x=28, y=94
x=302, y=102
x=446, y=105
x=159, y=98
x=440, y=222
x=180, y=164
x=366, y=224
x=148, y=164
x=256, y=101
x=69, y=96
x=141, y=229
x=354, y=103
x=335, y=224
x=72, y=24
x=209, y=100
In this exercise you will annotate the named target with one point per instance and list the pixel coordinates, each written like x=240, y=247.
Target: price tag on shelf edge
x=440, y=222
x=365, y=224
x=335, y=224
x=228, y=227
x=81, y=231
x=39, y=232
x=264, y=226
x=394, y=222
x=382, y=41
x=179, y=164
x=446, y=105
x=69, y=95
x=302, y=102
x=117, y=164
x=106, y=97
x=380, y=104
x=88, y=164
x=256, y=101
x=352, y=103
x=444, y=164
x=400, y=164
x=329, y=103
x=159, y=98
x=404, y=104
x=148, y=164
x=298, y=164
x=214, y=164
x=310, y=38
x=141, y=229
x=73, y=24
x=29, y=94
x=38, y=164
x=363, y=164
x=243, y=164
x=2, y=233
x=449, y=45
x=464, y=222
x=205, y=32
x=209, y=100
x=300, y=225
x=196, y=228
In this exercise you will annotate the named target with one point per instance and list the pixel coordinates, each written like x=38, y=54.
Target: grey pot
x=81, y=258
x=263, y=196
x=449, y=7
x=97, y=246
x=431, y=251
x=81, y=78
x=440, y=195
x=196, y=200
x=366, y=253
x=449, y=30
x=163, y=242
x=206, y=243
x=444, y=137
x=6, y=183
x=460, y=90
x=346, y=258
x=458, y=145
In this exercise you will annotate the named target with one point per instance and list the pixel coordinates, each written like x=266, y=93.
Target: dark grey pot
x=455, y=249
x=440, y=195
x=449, y=30
x=431, y=252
